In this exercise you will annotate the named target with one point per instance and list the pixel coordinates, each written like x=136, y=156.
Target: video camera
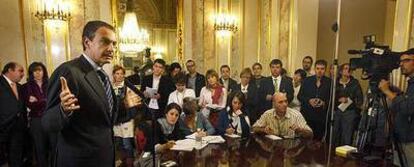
x=377, y=61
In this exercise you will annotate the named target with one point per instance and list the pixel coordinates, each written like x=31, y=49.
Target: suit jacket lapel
x=93, y=80
x=7, y=85
x=282, y=84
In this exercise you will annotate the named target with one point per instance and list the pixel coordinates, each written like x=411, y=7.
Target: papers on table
x=188, y=145
x=344, y=106
x=208, y=139
x=233, y=135
x=273, y=137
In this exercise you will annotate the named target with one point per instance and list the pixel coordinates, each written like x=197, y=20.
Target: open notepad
x=208, y=139
x=188, y=145
x=233, y=135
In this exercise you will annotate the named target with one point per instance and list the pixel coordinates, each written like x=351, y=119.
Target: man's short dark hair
x=90, y=29
x=224, y=66
x=189, y=60
x=321, y=62
x=8, y=66
x=257, y=64
x=160, y=61
x=276, y=62
x=308, y=57
x=180, y=78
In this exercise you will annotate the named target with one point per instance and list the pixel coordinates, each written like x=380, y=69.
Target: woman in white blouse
x=181, y=91
x=212, y=97
x=124, y=125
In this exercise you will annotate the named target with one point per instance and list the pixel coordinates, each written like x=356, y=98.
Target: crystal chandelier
x=225, y=24
x=132, y=39
x=52, y=10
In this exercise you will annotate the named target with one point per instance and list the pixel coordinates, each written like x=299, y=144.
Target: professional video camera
x=377, y=62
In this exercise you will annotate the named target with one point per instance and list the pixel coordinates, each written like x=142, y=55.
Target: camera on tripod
x=377, y=61
x=375, y=127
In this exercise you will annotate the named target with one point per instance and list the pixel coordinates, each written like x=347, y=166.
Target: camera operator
x=401, y=108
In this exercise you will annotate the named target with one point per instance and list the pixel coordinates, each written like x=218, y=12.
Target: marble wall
x=264, y=33
x=22, y=33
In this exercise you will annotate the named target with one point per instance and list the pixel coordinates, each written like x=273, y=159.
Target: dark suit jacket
x=251, y=101
x=135, y=79
x=200, y=83
x=309, y=90
x=10, y=108
x=232, y=85
x=165, y=87
x=267, y=88
x=85, y=138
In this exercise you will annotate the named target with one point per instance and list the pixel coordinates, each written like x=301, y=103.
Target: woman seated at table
x=234, y=119
x=213, y=97
x=193, y=121
x=167, y=129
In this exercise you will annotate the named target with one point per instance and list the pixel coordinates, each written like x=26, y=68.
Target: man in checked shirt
x=282, y=121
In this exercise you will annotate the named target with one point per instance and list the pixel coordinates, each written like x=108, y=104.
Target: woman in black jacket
x=348, y=102
x=234, y=119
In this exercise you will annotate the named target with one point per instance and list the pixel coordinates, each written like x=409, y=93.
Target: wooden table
x=259, y=151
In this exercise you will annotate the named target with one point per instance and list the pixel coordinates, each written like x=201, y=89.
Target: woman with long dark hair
x=34, y=95
x=234, y=120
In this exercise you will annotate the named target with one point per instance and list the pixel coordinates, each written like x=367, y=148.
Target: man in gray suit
x=81, y=106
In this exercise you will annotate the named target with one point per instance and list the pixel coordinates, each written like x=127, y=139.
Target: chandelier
x=132, y=39
x=225, y=24
x=52, y=10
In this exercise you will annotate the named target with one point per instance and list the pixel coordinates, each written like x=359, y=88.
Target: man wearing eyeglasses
x=401, y=106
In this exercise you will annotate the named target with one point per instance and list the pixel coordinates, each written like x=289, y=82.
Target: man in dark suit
x=81, y=105
x=163, y=85
x=135, y=78
x=257, y=74
x=275, y=83
x=195, y=80
x=13, y=118
x=314, y=95
x=250, y=91
x=229, y=83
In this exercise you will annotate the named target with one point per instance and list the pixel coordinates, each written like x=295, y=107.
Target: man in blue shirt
x=400, y=105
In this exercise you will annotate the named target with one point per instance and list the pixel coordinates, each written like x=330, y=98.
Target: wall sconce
x=52, y=10
x=225, y=24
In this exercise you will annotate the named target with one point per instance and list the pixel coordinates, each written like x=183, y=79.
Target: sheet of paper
x=151, y=91
x=344, y=106
x=208, y=139
x=273, y=137
x=233, y=135
x=188, y=145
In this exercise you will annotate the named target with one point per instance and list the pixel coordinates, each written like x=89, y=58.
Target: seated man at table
x=282, y=121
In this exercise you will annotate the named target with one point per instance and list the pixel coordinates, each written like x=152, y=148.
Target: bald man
x=282, y=121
